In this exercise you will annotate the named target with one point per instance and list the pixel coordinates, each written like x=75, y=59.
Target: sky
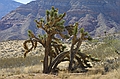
x=24, y=1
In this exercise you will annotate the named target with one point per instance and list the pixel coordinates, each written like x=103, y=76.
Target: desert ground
x=14, y=66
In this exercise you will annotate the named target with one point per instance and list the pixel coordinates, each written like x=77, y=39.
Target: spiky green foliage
x=75, y=31
x=82, y=30
x=55, y=50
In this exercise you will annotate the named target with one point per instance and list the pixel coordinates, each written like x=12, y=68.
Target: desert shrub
x=108, y=51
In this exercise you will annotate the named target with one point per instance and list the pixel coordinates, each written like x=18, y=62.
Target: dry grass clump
x=20, y=61
x=20, y=65
x=114, y=74
x=32, y=76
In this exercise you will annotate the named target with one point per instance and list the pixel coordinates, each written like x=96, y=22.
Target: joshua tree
x=54, y=49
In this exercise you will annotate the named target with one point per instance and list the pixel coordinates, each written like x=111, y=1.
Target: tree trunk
x=73, y=52
x=45, y=64
x=47, y=49
x=71, y=58
x=57, y=59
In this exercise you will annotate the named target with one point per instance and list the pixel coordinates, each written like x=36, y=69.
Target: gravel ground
x=15, y=48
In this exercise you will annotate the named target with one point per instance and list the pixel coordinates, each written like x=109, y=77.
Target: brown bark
x=59, y=58
x=47, y=50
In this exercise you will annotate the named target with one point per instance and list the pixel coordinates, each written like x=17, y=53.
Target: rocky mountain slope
x=7, y=5
x=96, y=16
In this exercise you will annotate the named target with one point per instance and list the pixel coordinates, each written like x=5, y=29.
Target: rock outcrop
x=7, y=5
x=96, y=16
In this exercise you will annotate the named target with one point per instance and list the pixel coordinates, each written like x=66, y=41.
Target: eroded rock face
x=96, y=16
x=7, y=5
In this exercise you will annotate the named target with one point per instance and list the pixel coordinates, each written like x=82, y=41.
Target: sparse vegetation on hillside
x=104, y=46
x=107, y=49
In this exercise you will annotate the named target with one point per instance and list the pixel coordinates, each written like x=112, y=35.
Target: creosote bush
x=55, y=52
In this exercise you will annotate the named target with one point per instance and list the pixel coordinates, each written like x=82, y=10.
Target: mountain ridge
x=7, y=5
x=96, y=16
